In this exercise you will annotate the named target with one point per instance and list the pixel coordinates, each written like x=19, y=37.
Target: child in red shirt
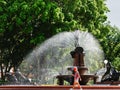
x=76, y=78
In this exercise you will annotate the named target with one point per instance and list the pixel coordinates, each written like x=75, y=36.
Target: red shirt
x=76, y=76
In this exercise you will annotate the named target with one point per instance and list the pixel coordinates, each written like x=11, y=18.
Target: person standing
x=77, y=77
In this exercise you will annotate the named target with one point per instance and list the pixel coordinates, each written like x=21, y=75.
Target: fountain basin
x=109, y=82
x=81, y=69
x=94, y=87
x=86, y=78
x=70, y=79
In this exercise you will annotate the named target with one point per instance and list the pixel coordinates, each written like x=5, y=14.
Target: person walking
x=77, y=78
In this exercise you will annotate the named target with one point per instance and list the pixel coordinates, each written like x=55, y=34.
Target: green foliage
x=86, y=14
x=20, y=22
x=110, y=41
x=116, y=63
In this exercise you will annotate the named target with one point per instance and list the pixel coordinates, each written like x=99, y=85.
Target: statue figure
x=16, y=77
x=111, y=74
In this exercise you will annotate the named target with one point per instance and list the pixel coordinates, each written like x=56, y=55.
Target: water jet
x=52, y=57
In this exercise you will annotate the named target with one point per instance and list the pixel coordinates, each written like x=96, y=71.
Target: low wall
x=94, y=87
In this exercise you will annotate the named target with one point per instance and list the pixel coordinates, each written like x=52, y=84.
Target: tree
x=19, y=33
x=84, y=14
x=111, y=44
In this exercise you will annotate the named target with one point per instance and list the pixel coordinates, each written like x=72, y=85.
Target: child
x=76, y=78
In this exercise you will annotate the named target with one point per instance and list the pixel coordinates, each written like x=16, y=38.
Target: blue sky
x=114, y=14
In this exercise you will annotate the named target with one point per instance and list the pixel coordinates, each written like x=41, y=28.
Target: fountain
x=52, y=57
x=48, y=61
x=78, y=55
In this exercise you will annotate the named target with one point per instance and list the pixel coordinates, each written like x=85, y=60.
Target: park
x=43, y=40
